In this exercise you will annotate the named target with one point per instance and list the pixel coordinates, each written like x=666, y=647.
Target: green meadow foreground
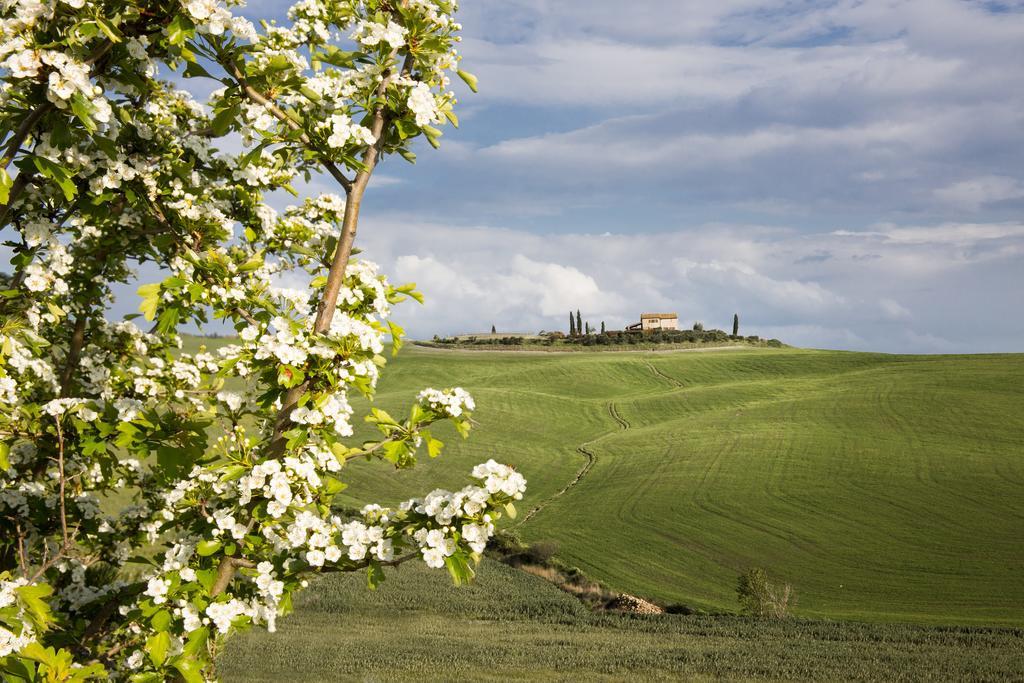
x=883, y=488
x=511, y=626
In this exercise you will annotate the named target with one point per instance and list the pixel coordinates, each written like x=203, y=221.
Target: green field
x=511, y=626
x=883, y=488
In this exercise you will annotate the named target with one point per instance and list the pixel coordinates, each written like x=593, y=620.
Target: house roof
x=658, y=315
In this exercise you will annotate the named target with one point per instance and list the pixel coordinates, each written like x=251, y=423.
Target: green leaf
x=196, y=70
x=310, y=94
x=223, y=120
x=469, y=78
x=5, y=451
x=161, y=620
x=33, y=599
x=434, y=446
x=339, y=451
x=157, y=646
x=180, y=29
x=395, y=451
x=109, y=29
x=190, y=669
x=406, y=129
x=150, y=300
x=333, y=485
x=149, y=677
x=336, y=57
x=397, y=333
x=207, y=548
x=433, y=136
x=6, y=183
x=196, y=642
x=83, y=110
x=459, y=569
x=511, y=510
x=57, y=174
x=374, y=576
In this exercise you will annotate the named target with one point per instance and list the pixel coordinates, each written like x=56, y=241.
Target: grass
x=511, y=626
x=883, y=488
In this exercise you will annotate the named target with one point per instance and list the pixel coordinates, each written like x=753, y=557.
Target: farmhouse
x=655, y=321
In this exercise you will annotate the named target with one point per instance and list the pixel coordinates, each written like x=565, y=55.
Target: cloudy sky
x=844, y=174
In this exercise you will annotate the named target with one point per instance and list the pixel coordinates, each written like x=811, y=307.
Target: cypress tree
x=602, y=327
x=572, y=325
x=493, y=330
x=735, y=324
x=579, y=322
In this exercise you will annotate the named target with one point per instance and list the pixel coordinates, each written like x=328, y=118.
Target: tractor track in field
x=591, y=460
x=662, y=375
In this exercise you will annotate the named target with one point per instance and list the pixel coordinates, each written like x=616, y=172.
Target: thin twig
x=22, y=558
x=63, y=480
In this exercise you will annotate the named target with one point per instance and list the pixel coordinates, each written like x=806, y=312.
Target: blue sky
x=843, y=174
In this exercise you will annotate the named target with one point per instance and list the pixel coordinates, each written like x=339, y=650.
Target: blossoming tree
x=154, y=501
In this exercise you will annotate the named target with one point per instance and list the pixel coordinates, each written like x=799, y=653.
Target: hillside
x=884, y=488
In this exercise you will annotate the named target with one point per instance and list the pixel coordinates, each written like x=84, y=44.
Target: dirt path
x=591, y=460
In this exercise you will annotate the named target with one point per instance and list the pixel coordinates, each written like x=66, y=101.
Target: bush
x=540, y=552
x=759, y=597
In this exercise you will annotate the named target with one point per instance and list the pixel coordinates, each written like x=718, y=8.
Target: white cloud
x=865, y=291
x=977, y=192
x=893, y=310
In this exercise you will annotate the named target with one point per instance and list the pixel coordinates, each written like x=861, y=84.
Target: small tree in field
x=759, y=597
x=494, y=330
x=155, y=499
x=572, y=325
x=735, y=324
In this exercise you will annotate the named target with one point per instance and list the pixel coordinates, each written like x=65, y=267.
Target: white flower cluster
x=342, y=130
x=470, y=505
x=422, y=103
x=371, y=33
x=335, y=410
x=70, y=77
x=10, y=641
x=498, y=478
x=214, y=18
x=435, y=546
x=451, y=402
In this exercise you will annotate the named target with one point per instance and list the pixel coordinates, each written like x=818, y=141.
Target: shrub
x=759, y=597
x=541, y=552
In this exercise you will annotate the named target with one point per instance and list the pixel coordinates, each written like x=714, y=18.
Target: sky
x=841, y=174
x=845, y=174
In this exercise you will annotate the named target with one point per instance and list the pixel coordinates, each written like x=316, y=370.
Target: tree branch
x=226, y=572
x=336, y=274
x=74, y=353
x=278, y=113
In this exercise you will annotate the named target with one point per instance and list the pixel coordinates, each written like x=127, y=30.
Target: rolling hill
x=883, y=488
